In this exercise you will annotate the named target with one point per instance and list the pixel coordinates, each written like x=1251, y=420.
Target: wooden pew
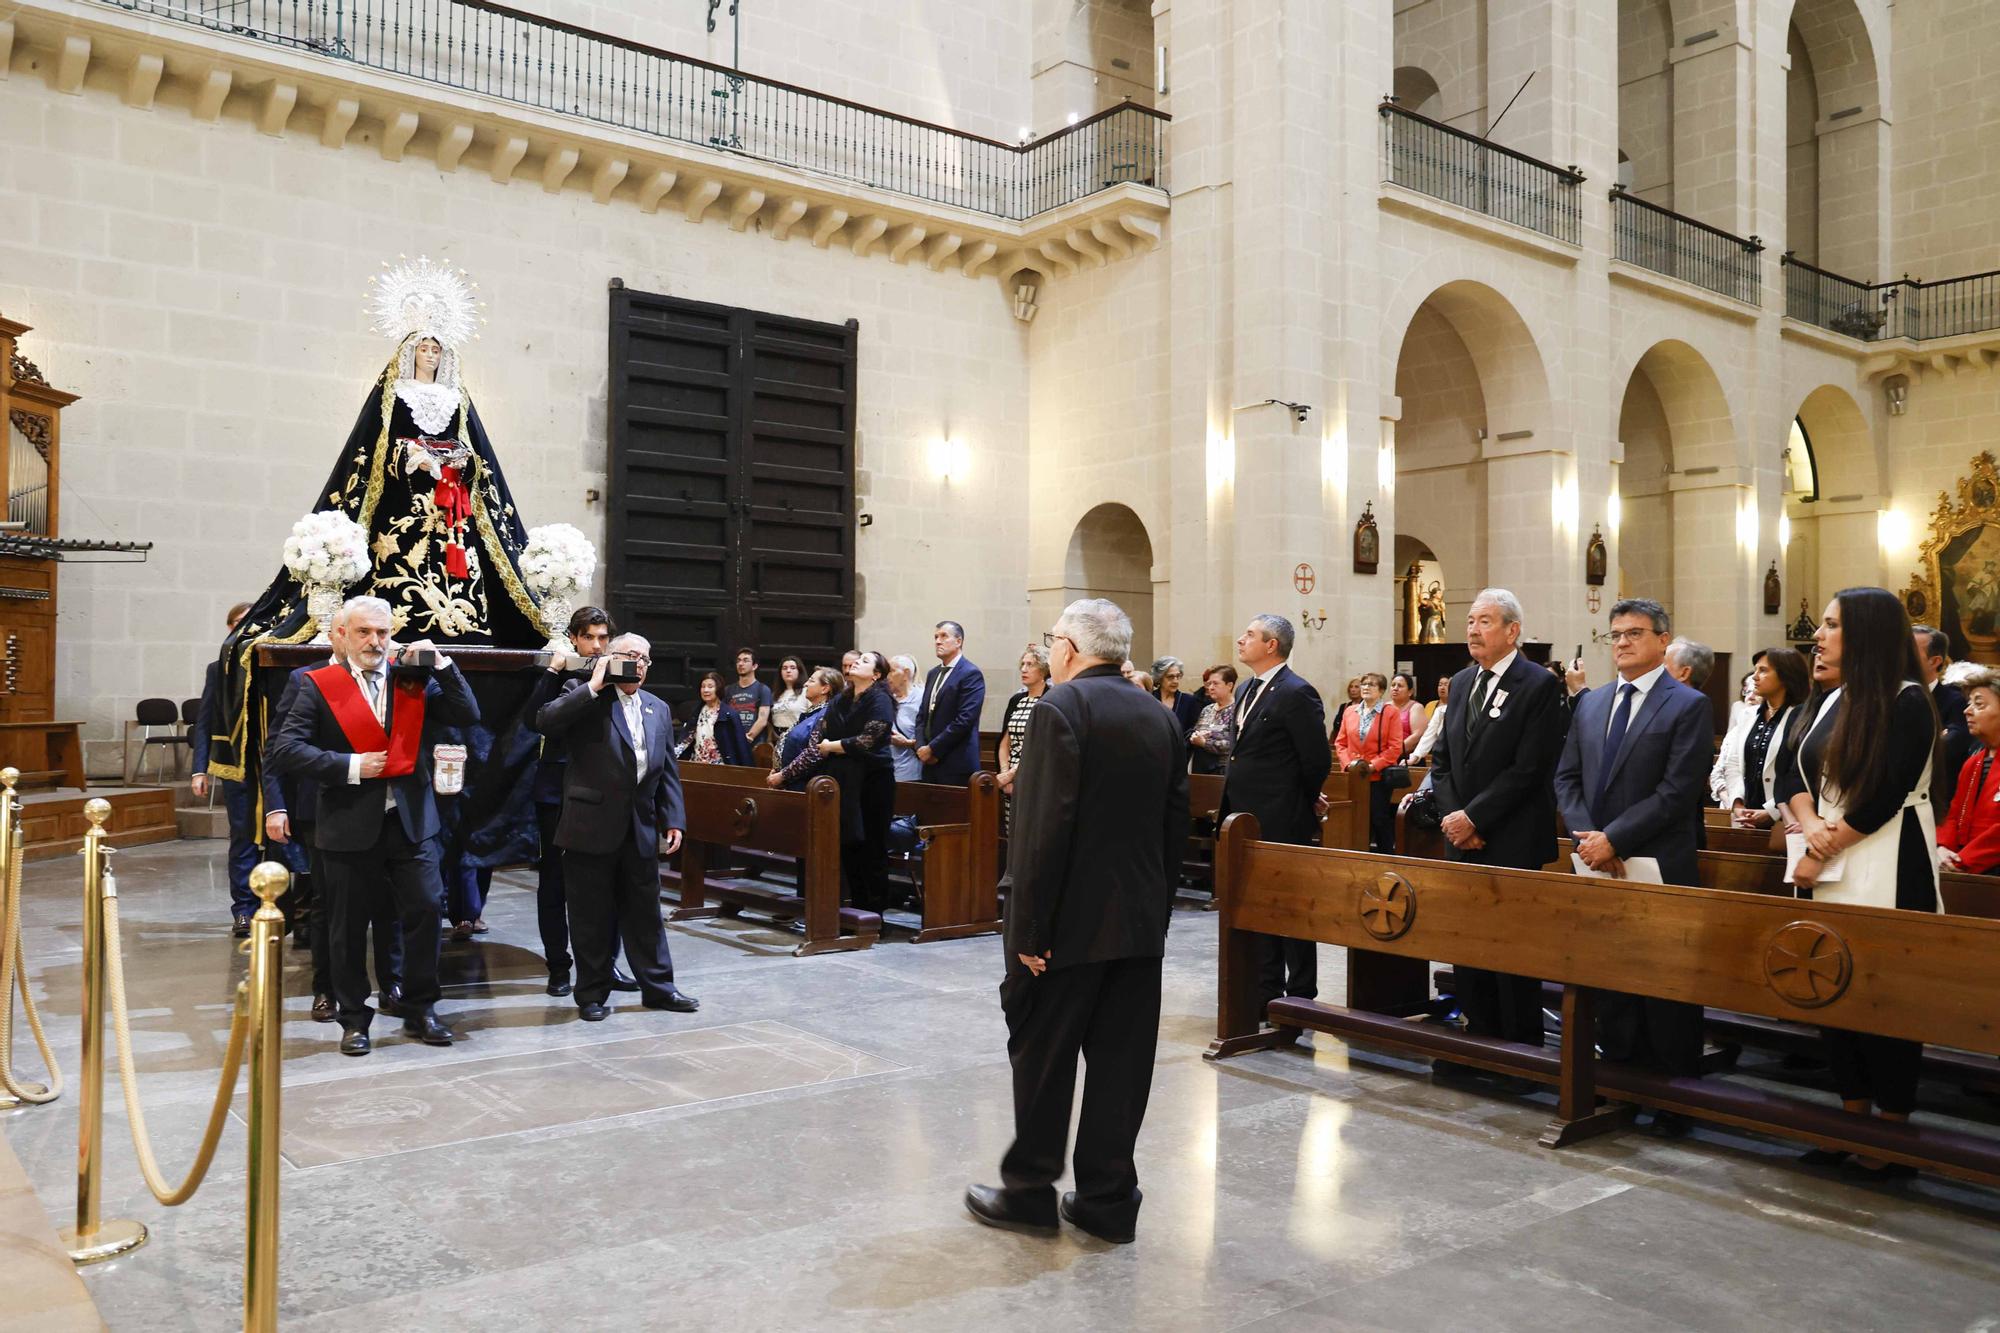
x=1344, y=825
x=728, y=806
x=1899, y=974
x=960, y=882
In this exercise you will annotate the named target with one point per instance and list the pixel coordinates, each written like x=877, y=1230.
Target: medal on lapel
x=1499, y=697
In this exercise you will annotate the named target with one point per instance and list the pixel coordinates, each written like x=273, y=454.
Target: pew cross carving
x=1808, y=964
x=1388, y=907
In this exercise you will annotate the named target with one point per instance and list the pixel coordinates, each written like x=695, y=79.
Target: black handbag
x=1423, y=812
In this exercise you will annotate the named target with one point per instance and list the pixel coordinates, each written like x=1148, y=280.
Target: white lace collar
x=431, y=405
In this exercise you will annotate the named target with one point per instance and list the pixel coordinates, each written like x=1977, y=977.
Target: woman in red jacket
x=1370, y=739
x=1969, y=838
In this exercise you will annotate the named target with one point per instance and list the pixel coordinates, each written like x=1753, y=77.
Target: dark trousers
x=1868, y=1068
x=240, y=803
x=1286, y=966
x=612, y=897
x=1665, y=1034
x=551, y=903
x=1500, y=1004
x=864, y=849
x=1381, y=819
x=465, y=889
x=1109, y=1013
x=407, y=873
x=386, y=930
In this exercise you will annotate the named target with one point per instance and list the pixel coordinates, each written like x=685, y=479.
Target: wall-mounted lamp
x=1897, y=390
x=1892, y=530
x=949, y=458
x=1311, y=621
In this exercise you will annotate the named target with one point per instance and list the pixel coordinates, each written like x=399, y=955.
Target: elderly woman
x=1370, y=740
x=716, y=736
x=1215, y=730
x=1969, y=838
x=823, y=687
x=1034, y=666
x=1168, y=675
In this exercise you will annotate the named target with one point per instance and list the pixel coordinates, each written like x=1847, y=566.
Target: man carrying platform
x=237, y=799
x=362, y=732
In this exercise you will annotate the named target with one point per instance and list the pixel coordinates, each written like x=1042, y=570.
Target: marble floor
x=793, y=1157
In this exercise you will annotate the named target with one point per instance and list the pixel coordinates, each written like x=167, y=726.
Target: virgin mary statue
x=420, y=476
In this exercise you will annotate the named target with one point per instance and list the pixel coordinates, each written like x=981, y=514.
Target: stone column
x=1714, y=544
x=1713, y=123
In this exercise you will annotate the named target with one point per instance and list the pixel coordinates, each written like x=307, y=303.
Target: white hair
x=1509, y=604
x=645, y=645
x=1098, y=628
x=372, y=605
x=905, y=663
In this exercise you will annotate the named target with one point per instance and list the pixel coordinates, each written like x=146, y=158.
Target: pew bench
x=957, y=874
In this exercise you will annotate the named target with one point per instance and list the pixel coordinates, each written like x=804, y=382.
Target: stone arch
x=1416, y=90
x=1831, y=540
x=1444, y=41
x=1415, y=562
x=1092, y=54
x=1646, y=98
x=1843, y=445
x=1679, y=484
x=1110, y=555
x=1836, y=140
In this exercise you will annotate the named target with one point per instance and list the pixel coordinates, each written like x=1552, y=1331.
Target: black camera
x=415, y=661
x=623, y=670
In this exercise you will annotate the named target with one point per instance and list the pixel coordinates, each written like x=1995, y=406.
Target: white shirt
x=381, y=706
x=635, y=722
x=1430, y=735
x=1641, y=687
x=1265, y=677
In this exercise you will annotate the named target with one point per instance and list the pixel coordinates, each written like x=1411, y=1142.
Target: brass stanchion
x=90, y=1240
x=14, y=966
x=267, y=1000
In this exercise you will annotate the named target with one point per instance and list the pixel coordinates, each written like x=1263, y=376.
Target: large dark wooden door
x=731, y=505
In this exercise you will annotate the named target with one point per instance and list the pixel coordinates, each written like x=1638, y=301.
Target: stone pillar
x=1523, y=38
x=1714, y=545
x=1853, y=190
x=1713, y=122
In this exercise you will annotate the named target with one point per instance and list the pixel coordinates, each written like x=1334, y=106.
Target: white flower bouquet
x=326, y=552
x=557, y=564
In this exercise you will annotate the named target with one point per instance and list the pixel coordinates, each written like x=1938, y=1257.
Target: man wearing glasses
x=1631, y=784
x=621, y=810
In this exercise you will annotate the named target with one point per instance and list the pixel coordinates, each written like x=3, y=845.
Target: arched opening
x=1836, y=141
x=1829, y=534
x=1680, y=527
x=1090, y=55
x=1415, y=90
x=1646, y=100
x=1420, y=603
x=1111, y=556
x=1440, y=60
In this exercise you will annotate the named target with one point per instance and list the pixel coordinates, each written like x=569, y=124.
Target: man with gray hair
x=1493, y=769
x=1100, y=821
x=1281, y=760
x=909, y=700
x=1690, y=663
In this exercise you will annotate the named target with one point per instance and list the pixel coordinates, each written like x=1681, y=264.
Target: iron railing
x=498, y=52
x=1433, y=158
x=1900, y=308
x=1680, y=247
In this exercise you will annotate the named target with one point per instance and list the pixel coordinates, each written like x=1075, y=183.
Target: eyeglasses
x=633, y=657
x=1049, y=639
x=1628, y=635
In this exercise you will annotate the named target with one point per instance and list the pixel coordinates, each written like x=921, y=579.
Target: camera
x=623, y=670
x=415, y=661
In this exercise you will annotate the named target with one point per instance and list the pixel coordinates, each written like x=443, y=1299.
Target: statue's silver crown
x=419, y=296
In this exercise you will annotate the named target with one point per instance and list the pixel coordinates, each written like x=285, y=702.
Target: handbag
x=1423, y=812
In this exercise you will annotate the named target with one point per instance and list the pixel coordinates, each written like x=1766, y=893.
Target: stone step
x=200, y=820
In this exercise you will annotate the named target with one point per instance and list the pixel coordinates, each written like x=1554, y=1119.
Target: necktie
x=1621, y=717
x=374, y=685
x=1478, y=712
x=1249, y=697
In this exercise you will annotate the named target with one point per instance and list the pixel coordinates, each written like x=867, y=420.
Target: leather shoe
x=242, y=930
x=1671, y=1124
x=675, y=999
x=992, y=1207
x=558, y=983
x=354, y=1042
x=1084, y=1220
x=592, y=1013
x=322, y=1008
x=390, y=1002
x=427, y=1026
x=619, y=981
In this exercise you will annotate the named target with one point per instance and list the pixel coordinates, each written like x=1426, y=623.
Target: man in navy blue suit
x=363, y=734
x=948, y=719
x=621, y=810
x=1631, y=783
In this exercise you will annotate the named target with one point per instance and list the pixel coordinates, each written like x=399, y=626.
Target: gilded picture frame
x=1957, y=583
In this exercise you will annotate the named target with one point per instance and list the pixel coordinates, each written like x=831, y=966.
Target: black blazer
x=1955, y=745
x=1100, y=823
x=204, y=718
x=297, y=796
x=1503, y=777
x=1659, y=778
x=951, y=726
x=554, y=753
x=1281, y=760
x=309, y=744
x=606, y=804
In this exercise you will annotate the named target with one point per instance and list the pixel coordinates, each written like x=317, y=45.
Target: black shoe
x=992, y=1206
x=390, y=1002
x=1824, y=1156
x=1084, y=1220
x=242, y=925
x=426, y=1026
x=322, y=1008
x=354, y=1042
x=1671, y=1124
x=592, y=1013
x=619, y=981
x=673, y=998
x=558, y=983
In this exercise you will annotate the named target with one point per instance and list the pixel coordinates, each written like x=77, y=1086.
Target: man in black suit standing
x=621, y=809
x=364, y=734
x=1632, y=783
x=1280, y=763
x=1100, y=821
x=948, y=718
x=1493, y=769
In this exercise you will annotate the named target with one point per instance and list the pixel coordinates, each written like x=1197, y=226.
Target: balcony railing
x=1433, y=158
x=502, y=53
x=1680, y=247
x=1900, y=308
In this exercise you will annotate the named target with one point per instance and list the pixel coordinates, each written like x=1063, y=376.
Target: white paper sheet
x=1795, y=847
x=1638, y=870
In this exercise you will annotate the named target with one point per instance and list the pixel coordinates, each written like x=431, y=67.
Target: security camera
x=1300, y=412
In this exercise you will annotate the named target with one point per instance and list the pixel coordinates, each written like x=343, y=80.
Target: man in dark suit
x=1493, y=769
x=1100, y=821
x=948, y=718
x=621, y=809
x=238, y=800
x=1632, y=783
x=1955, y=743
x=1280, y=762
x=291, y=807
x=364, y=735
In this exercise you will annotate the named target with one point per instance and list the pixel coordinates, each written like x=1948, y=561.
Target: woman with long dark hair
x=1858, y=784
x=1750, y=757
x=853, y=747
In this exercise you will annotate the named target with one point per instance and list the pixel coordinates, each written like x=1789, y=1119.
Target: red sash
x=357, y=720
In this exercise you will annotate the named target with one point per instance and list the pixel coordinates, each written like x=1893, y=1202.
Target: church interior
x=505, y=358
